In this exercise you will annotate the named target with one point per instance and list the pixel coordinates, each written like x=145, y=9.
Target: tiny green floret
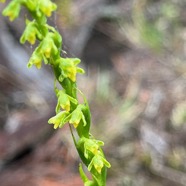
x=64, y=101
x=69, y=68
x=31, y=33
x=59, y=120
x=77, y=115
x=12, y=11
x=98, y=162
x=46, y=7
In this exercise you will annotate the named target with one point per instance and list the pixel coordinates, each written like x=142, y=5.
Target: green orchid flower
x=98, y=162
x=93, y=146
x=59, y=120
x=77, y=115
x=36, y=59
x=12, y=10
x=64, y=101
x=46, y=7
x=69, y=68
x=31, y=33
x=48, y=46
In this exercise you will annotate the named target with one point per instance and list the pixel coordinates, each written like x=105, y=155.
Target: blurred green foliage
x=157, y=23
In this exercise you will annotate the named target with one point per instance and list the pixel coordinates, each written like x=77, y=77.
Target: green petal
x=80, y=70
x=76, y=61
x=107, y=164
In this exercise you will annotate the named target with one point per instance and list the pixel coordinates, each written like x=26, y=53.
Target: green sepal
x=76, y=61
x=80, y=70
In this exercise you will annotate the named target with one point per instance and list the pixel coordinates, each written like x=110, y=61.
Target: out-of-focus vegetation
x=143, y=114
x=158, y=24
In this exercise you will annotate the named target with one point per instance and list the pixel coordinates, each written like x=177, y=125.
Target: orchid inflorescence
x=68, y=109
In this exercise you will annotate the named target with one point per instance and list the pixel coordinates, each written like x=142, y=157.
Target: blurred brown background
x=134, y=54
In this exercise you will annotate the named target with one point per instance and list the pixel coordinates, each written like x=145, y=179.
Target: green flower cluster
x=37, y=7
x=68, y=108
